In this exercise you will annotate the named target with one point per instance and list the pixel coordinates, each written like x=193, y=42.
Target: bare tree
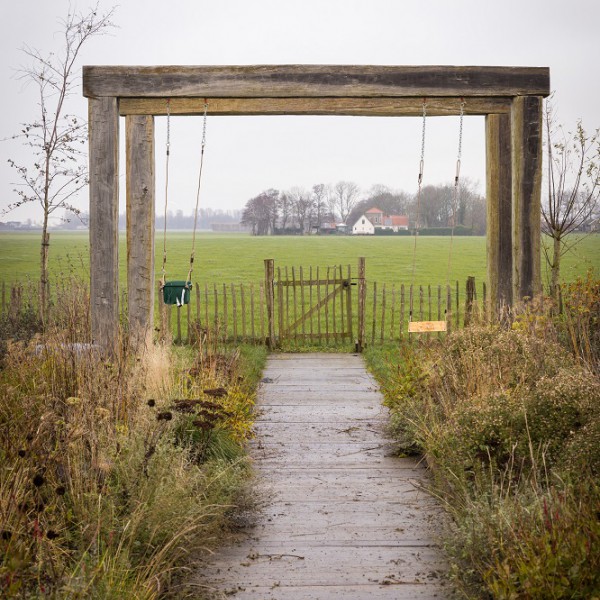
x=343, y=198
x=261, y=212
x=319, y=194
x=55, y=138
x=573, y=187
x=285, y=208
x=302, y=205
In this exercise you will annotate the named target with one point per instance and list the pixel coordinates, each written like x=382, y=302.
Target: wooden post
x=526, y=129
x=270, y=294
x=401, y=311
x=243, y=303
x=362, y=296
x=234, y=312
x=374, y=324
x=140, y=186
x=499, y=211
x=261, y=293
x=225, y=325
x=103, y=127
x=469, y=300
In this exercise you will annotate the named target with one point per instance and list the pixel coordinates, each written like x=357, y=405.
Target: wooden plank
x=295, y=307
x=333, y=303
x=178, y=340
x=313, y=81
x=310, y=297
x=301, y=274
x=319, y=306
x=140, y=199
x=342, y=517
x=499, y=210
x=326, y=308
x=426, y=326
x=364, y=107
x=104, y=220
x=280, y=306
x=349, y=302
x=527, y=143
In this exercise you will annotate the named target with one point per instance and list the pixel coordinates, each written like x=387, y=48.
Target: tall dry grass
x=509, y=422
x=107, y=488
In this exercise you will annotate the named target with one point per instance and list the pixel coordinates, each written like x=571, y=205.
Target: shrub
x=509, y=422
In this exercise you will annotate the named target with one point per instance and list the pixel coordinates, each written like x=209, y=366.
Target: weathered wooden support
x=280, y=81
x=356, y=107
x=104, y=220
x=499, y=210
x=139, y=131
x=362, y=302
x=526, y=129
x=510, y=97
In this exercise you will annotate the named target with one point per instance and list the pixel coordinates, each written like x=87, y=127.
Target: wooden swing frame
x=509, y=97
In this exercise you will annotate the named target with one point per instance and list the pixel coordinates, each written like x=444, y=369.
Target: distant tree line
x=300, y=211
x=175, y=220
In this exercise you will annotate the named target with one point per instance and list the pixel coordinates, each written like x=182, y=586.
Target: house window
x=363, y=221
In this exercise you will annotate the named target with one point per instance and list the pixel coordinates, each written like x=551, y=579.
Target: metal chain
x=189, y=277
x=456, y=188
x=419, y=189
x=164, y=262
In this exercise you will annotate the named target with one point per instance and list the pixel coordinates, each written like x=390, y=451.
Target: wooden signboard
x=426, y=326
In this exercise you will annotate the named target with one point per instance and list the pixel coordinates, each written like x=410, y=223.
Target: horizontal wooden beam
x=316, y=81
x=374, y=107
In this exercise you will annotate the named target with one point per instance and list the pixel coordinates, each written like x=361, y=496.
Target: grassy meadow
x=238, y=258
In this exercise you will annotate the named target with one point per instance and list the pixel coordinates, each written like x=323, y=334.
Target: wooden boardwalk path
x=342, y=518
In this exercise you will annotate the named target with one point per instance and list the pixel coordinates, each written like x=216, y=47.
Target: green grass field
x=231, y=258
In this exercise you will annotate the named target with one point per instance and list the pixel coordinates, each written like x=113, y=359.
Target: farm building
x=374, y=218
x=363, y=226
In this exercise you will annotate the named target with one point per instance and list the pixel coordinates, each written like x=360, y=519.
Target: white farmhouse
x=363, y=227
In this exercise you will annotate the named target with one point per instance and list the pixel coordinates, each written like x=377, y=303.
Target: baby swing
x=178, y=292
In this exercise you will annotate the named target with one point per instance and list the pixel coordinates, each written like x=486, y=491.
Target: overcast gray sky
x=245, y=155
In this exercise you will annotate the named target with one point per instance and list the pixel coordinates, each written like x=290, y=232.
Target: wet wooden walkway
x=342, y=517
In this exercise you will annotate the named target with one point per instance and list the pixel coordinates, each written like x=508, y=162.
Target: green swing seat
x=177, y=292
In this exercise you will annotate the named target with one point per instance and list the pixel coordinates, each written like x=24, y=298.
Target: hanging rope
x=419, y=190
x=456, y=189
x=189, y=277
x=164, y=261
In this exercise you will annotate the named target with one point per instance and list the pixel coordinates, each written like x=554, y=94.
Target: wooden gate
x=311, y=305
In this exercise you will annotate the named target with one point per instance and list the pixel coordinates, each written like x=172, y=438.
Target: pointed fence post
x=270, y=294
x=362, y=302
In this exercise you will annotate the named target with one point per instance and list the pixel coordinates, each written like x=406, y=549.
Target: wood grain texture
x=366, y=107
x=104, y=220
x=499, y=210
x=140, y=183
x=426, y=326
x=341, y=517
x=280, y=81
x=527, y=142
